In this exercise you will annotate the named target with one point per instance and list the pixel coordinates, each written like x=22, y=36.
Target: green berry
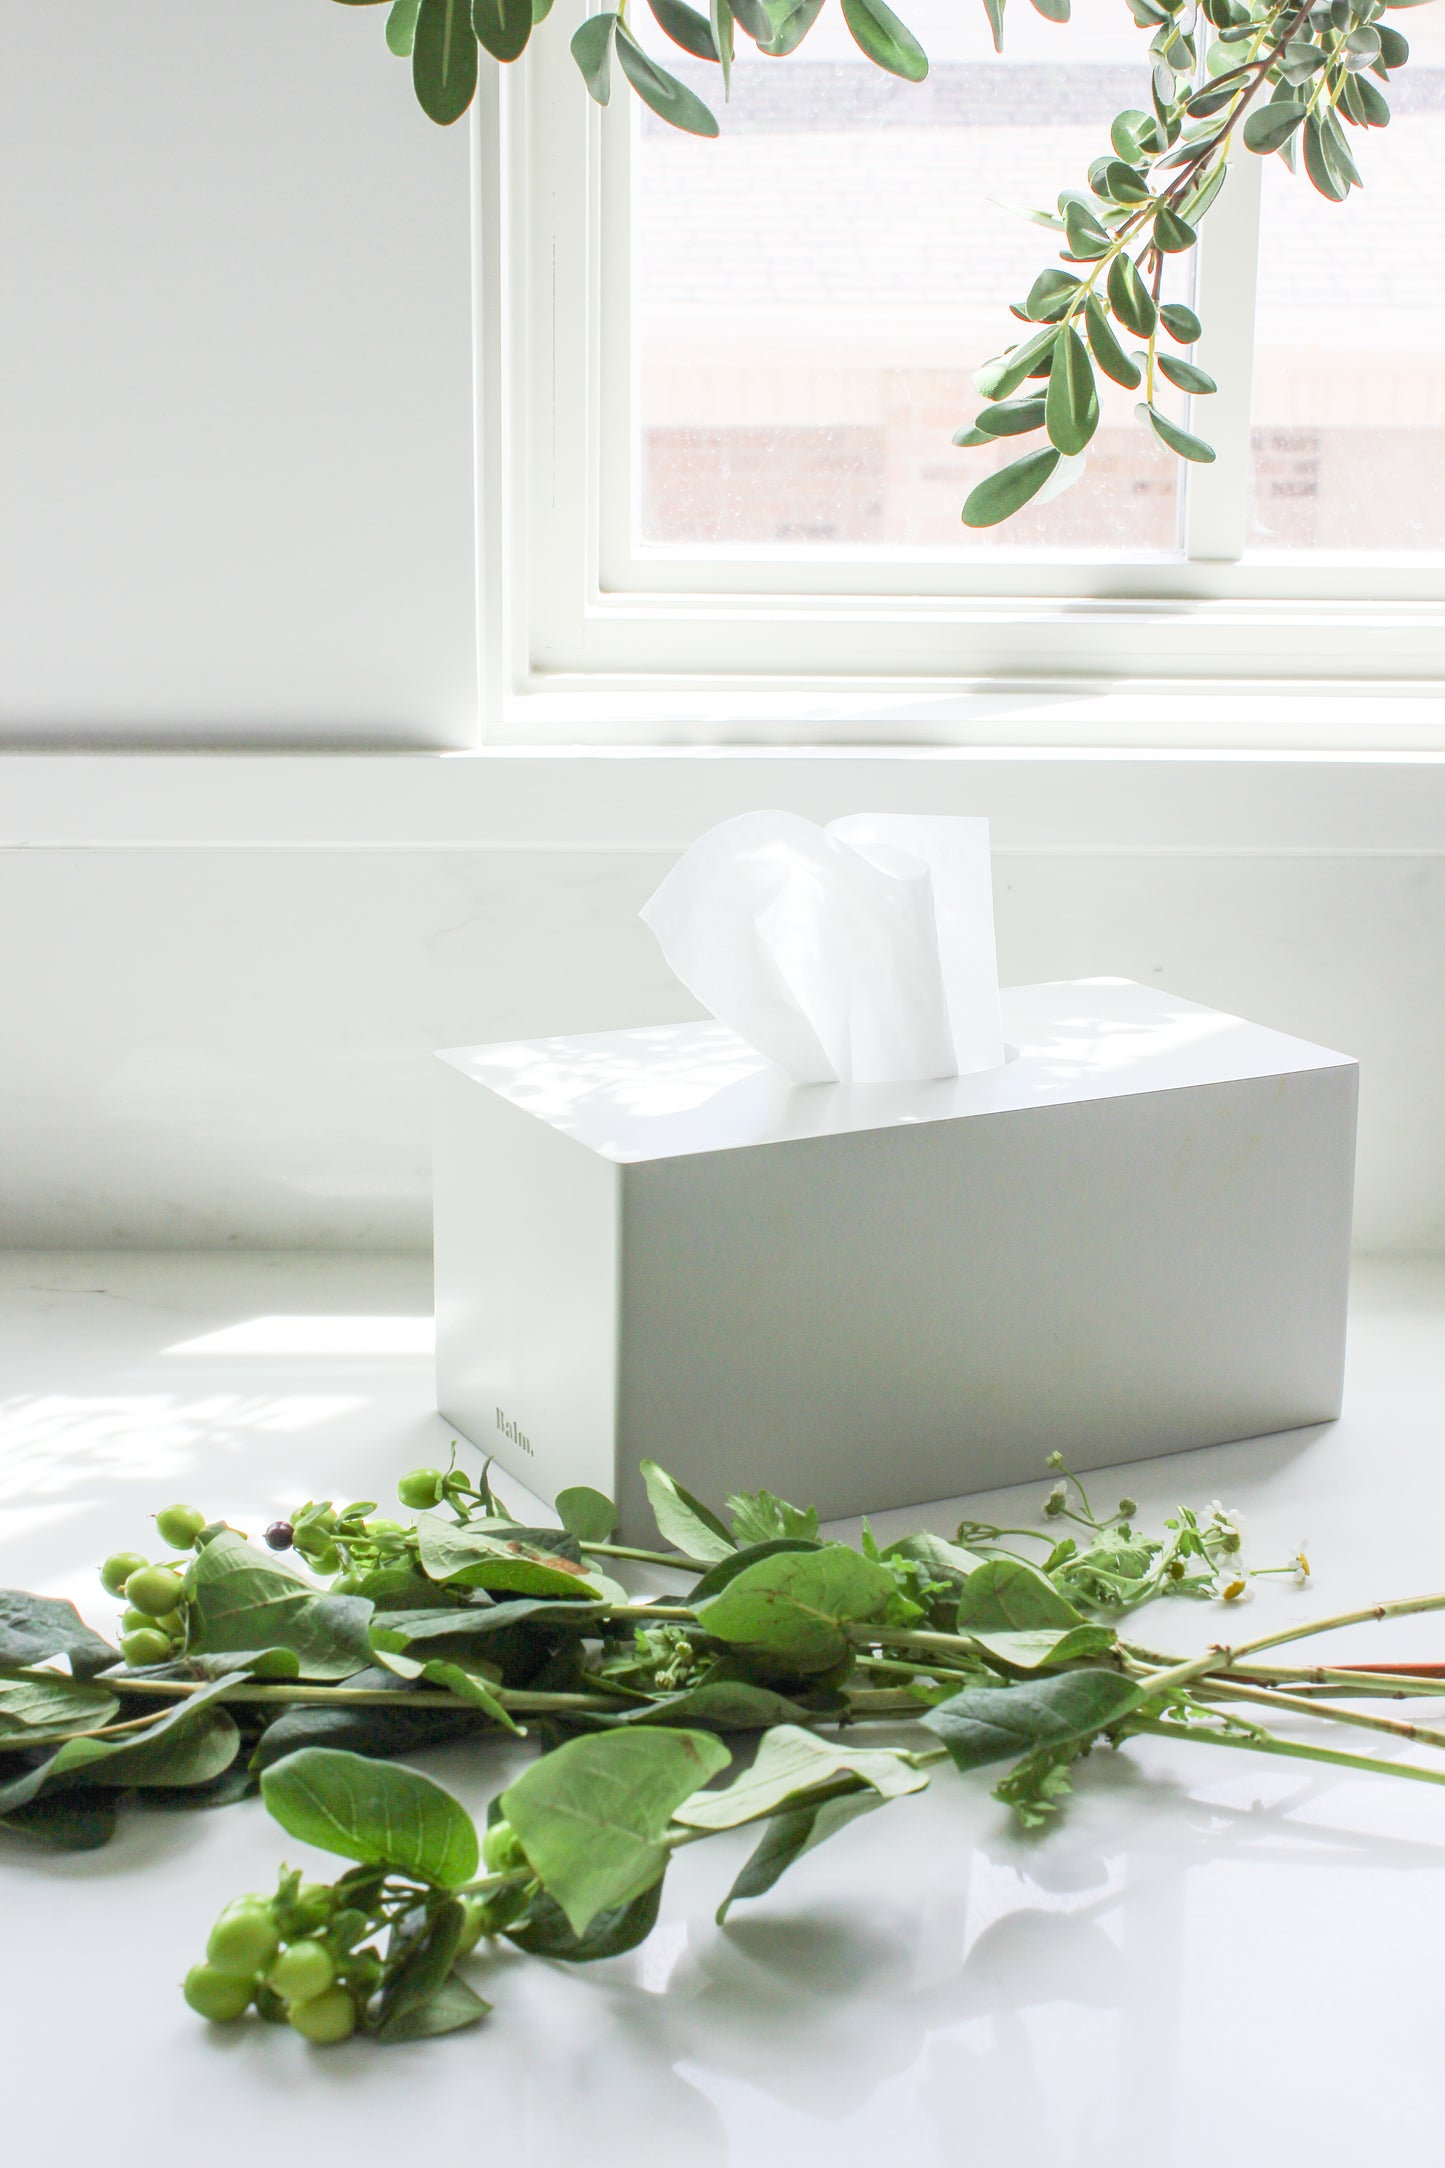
x=385, y=1528
x=118, y=1569
x=134, y=1622
x=215, y=1995
x=324, y=2019
x=420, y=1488
x=154, y=1590
x=179, y=1526
x=502, y=1850
x=243, y=1941
x=148, y=1645
x=302, y=1972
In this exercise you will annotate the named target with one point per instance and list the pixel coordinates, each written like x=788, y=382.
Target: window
x=722, y=396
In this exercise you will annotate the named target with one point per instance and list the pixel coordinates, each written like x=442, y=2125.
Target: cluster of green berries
x=153, y=1625
x=297, y=1958
x=274, y=1953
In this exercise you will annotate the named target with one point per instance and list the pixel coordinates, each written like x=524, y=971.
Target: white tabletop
x=1213, y=1958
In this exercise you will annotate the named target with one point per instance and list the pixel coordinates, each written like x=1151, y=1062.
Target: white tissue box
x=1131, y=1239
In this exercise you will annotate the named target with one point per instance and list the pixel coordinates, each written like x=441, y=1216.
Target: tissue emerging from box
x=858, y=953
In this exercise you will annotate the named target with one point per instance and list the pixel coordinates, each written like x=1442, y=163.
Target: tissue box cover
x=1131, y=1239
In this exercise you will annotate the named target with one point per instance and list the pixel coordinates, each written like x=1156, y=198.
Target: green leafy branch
x=241, y=1669
x=1213, y=62
x=1143, y=205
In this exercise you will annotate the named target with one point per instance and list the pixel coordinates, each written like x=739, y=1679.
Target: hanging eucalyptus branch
x=1284, y=76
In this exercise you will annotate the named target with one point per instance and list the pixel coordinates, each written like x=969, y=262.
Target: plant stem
x=1223, y=1658
x=1261, y=1744
x=1275, y=1698
x=900, y=1663
x=362, y=1697
x=674, y=1560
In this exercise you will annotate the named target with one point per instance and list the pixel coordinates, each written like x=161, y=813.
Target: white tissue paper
x=858, y=953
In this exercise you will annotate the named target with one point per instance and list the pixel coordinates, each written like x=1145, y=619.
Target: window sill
x=1103, y=799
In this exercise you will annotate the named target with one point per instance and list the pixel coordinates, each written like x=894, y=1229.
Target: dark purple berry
x=280, y=1535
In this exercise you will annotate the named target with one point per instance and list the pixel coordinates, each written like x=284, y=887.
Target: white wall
x=221, y=982
x=235, y=379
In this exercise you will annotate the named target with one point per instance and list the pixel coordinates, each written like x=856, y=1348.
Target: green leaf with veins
x=35, y=1628
x=373, y=1812
x=793, y=1768
x=759, y=1517
x=244, y=1599
x=982, y=1725
x=500, y=1559
x=682, y=1520
x=1043, y=1647
x=36, y=1710
x=796, y=1607
x=1007, y=1595
x=789, y=1835
x=727, y=1569
x=591, y=1815
x=586, y=1514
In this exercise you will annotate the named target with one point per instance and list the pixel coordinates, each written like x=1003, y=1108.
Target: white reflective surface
x=1212, y=1959
x=677, y=1088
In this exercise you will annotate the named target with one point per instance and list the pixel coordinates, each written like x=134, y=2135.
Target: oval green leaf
x=685, y=27
x=1106, y=349
x=444, y=60
x=682, y=1520
x=503, y=26
x=401, y=27
x=669, y=100
x=376, y=1813
x=1180, y=323
x=591, y=48
x=996, y=379
x=983, y=1724
x=1272, y=126
x=1129, y=297
x=1186, y=375
x=1006, y=492
x=889, y=44
x=795, y=1608
x=1178, y=440
x=1071, y=407
x=591, y=1814
x=1011, y=418
x=1172, y=233
x=586, y=1514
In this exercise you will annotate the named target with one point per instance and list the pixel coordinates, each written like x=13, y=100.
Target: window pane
x=1349, y=396
x=813, y=291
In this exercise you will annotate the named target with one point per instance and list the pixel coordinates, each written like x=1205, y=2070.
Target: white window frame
x=586, y=637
